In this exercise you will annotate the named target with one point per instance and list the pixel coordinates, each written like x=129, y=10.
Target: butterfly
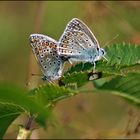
x=45, y=50
x=78, y=43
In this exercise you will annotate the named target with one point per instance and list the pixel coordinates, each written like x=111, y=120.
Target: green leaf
x=123, y=54
x=122, y=59
x=127, y=87
x=80, y=78
x=49, y=94
x=14, y=101
x=8, y=113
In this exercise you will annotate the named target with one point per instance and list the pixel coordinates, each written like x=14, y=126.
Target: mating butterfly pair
x=77, y=43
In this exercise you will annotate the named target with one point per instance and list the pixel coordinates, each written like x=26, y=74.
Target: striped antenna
x=111, y=40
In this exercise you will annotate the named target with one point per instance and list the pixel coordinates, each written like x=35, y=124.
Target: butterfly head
x=101, y=53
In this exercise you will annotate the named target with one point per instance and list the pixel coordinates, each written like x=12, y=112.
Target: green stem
x=29, y=123
x=23, y=133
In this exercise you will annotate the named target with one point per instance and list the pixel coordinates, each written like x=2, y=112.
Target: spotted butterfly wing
x=45, y=52
x=79, y=43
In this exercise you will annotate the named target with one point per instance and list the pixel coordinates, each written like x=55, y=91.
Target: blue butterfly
x=78, y=43
x=45, y=50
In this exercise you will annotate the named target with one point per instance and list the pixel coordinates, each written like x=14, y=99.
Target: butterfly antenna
x=110, y=40
x=34, y=74
x=105, y=58
x=39, y=75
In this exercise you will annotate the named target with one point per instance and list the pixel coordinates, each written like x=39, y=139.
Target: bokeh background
x=86, y=115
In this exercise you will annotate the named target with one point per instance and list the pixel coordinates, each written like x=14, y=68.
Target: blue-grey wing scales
x=45, y=52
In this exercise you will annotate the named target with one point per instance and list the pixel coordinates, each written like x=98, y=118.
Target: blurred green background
x=83, y=116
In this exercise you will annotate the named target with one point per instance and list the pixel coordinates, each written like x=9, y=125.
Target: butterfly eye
x=103, y=52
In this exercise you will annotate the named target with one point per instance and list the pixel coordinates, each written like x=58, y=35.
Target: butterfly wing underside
x=77, y=40
x=45, y=52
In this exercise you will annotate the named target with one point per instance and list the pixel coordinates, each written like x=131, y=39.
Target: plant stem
x=25, y=132
x=29, y=123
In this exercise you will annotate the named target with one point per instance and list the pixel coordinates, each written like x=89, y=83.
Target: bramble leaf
x=48, y=94
x=8, y=113
x=127, y=87
x=13, y=102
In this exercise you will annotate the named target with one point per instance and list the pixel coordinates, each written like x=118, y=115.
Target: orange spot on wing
x=53, y=45
x=64, y=46
x=65, y=41
x=46, y=43
x=40, y=49
x=43, y=44
x=36, y=40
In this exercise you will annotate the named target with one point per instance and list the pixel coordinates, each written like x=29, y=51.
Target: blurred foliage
x=85, y=116
x=13, y=102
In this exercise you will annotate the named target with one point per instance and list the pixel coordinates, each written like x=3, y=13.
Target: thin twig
x=29, y=123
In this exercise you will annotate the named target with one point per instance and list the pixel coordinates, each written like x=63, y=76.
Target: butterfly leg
x=51, y=82
x=44, y=78
x=83, y=65
x=70, y=61
x=94, y=65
